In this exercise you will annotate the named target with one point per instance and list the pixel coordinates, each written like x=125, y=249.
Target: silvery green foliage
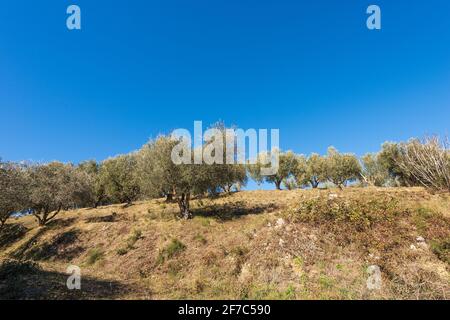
x=341, y=167
x=95, y=193
x=373, y=172
x=158, y=175
x=287, y=168
x=13, y=190
x=53, y=187
x=119, y=178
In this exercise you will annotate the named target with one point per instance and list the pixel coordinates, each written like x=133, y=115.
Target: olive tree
x=311, y=170
x=95, y=194
x=287, y=167
x=373, y=172
x=53, y=187
x=390, y=157
x=226, y=175
x=119, y=178
x=159, y=174
x=147, y=171
x=341, y=167
x=13, y=191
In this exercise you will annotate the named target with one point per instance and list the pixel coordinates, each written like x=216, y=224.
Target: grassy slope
x=236, y=247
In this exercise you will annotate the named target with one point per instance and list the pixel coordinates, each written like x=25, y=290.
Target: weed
x=201, y=239
x=325, y=282
x=122, y=251
x=135, y=236
x=239, y=251
x=298, y=262
x=421, y=217
x=441, y=249
x=94, y=255
x=173, y=248
x=173, y=268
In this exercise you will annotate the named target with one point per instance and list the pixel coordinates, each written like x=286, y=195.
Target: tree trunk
x=278, y=185
x=169, y=197
x=46, y=217
x=183, y=203
x=98, y=201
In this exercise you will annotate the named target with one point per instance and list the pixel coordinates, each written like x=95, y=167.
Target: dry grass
x=301, y=244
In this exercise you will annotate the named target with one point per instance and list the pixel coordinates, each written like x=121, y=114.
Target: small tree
x=95, y=193
x=312, y=171
x=300, y=177
x=183, y=180
x=390, y=158
x=147, y=171
x=53, y=187
x=287, y=168
x=341, y=168
x=13, y=191
x=226, y=175
x=119, y=177
x=373, y=171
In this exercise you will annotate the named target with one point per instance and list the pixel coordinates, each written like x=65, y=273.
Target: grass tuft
x=94, y=255
x=173, y=248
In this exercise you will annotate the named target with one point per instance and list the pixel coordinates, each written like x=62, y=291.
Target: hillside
x=301, y=244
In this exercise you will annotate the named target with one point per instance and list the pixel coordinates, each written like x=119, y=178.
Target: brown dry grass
x=249, y=245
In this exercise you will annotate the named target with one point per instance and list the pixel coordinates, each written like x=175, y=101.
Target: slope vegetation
x=301, y=244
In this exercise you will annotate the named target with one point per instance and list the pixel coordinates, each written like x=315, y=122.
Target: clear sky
x=138, y=68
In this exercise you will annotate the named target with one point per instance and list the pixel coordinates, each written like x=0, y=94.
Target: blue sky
x=139, y=68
